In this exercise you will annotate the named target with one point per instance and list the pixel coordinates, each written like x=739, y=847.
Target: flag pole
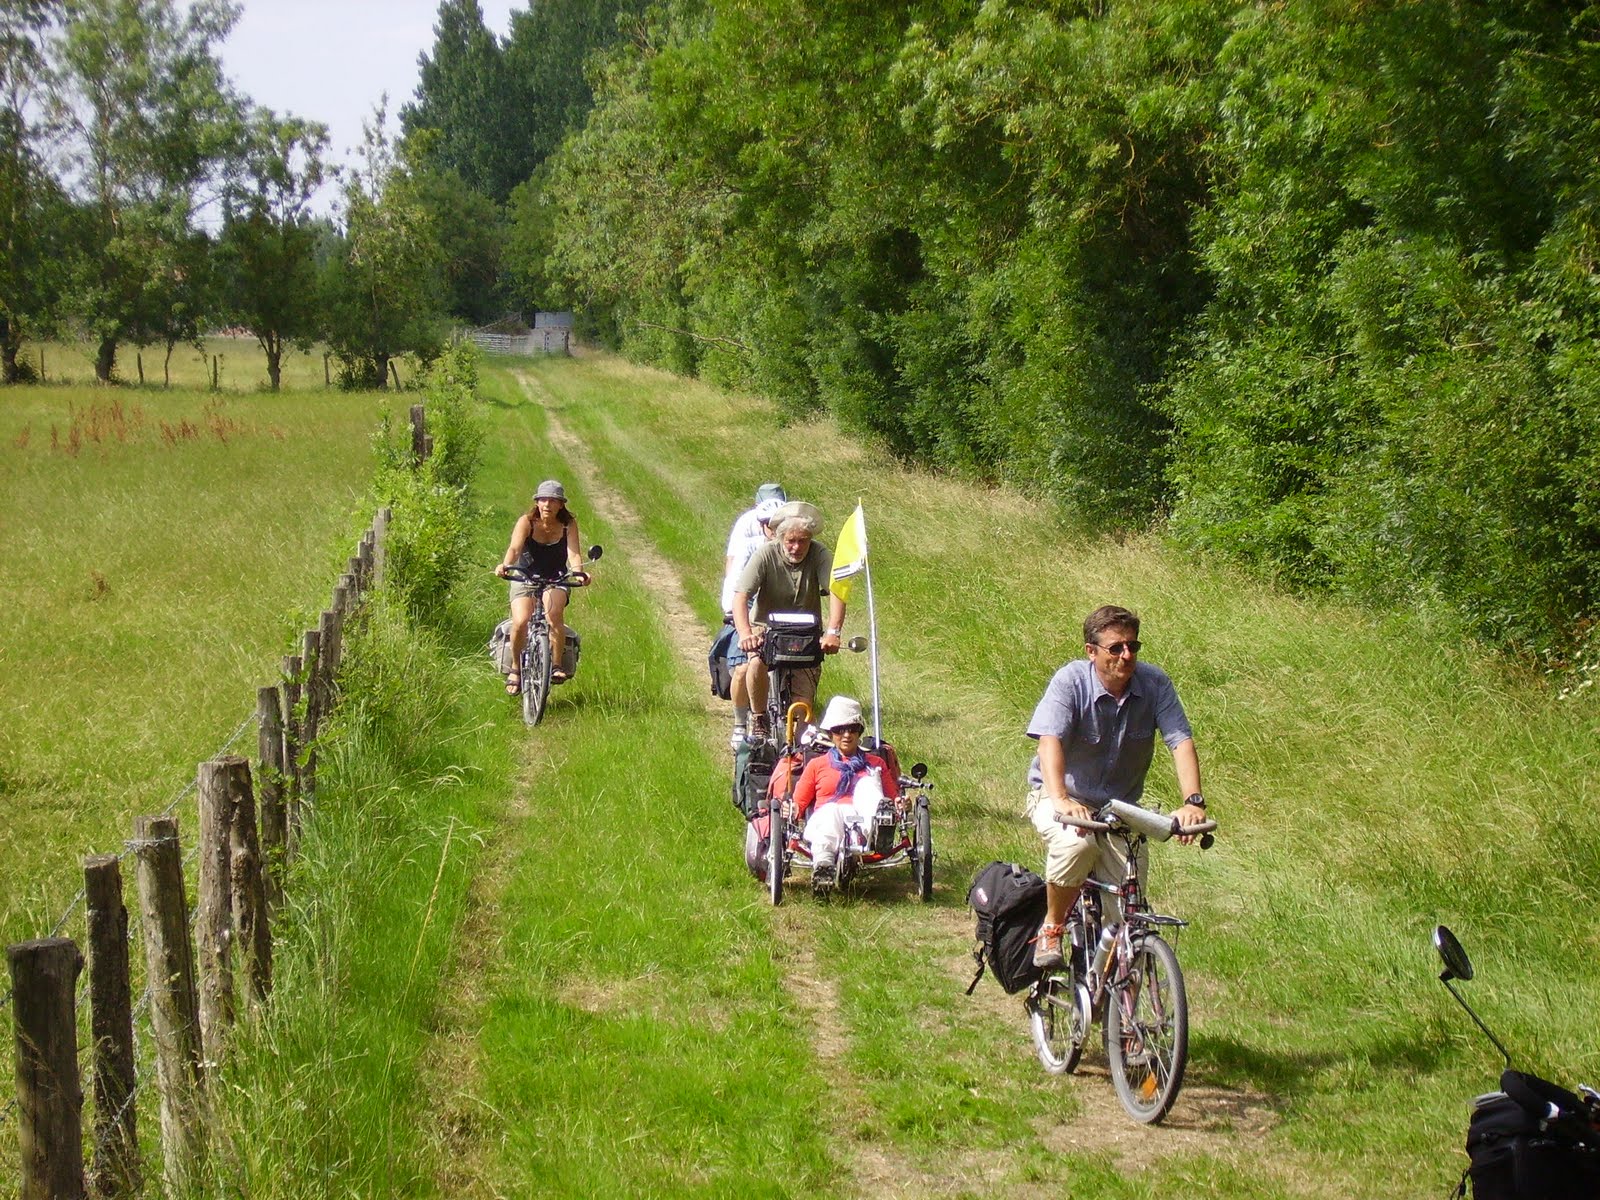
x=872, y=627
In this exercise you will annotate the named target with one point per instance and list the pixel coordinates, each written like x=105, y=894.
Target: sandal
x=558, y=676
x=513, y=684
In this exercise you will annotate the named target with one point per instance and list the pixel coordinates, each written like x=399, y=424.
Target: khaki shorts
x=1073, y=855
x=521, y=590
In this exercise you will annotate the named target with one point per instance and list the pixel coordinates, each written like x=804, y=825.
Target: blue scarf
x=849, y=770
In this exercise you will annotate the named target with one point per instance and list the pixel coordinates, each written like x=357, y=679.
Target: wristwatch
x=831, y=632
x=1196, y=799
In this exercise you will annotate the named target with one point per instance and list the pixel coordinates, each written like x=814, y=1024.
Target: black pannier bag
x=717, y=661
x=1009, y=901
x=1517, y=1152
x=793, y=640
x=752, y=772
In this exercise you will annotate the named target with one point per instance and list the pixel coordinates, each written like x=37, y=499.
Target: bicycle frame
x=1087, y=929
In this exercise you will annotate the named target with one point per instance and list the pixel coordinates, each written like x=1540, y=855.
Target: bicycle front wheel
x=1059, y=1017
x=1147, y=1031
x=535, y=676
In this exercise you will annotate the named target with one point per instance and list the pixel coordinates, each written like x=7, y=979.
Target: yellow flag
x=850, y=554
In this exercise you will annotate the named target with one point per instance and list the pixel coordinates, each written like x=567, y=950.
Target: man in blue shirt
x=1096, y=726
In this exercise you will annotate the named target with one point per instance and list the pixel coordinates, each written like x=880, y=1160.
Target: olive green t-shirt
x=779, y=586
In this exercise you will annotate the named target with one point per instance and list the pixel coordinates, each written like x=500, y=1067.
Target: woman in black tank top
x=544, y=542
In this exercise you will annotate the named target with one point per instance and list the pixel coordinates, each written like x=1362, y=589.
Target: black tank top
x=541, y=558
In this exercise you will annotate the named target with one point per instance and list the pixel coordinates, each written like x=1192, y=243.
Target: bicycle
x=536, y=667
x=1124, y=974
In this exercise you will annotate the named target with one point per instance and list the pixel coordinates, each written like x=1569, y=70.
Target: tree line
x=1312, y=284
x=145, y=201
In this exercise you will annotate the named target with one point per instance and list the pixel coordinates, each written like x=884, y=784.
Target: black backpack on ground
x=1009, y=901
x=1517, y=1153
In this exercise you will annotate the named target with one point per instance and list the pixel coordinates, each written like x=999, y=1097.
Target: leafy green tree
x=382, y=287
x=33, y=214
x=266, y=254
x=154, y=123
x=547, y=55
x=470, y=231
x=468, y=98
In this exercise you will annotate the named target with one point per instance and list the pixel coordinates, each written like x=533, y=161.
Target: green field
x=532, y=963
x=161, y=550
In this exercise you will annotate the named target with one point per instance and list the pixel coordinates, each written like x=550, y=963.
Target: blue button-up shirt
x=1108, y=742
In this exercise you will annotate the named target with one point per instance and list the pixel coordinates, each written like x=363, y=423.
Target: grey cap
x=550, y=489
x=771, y=491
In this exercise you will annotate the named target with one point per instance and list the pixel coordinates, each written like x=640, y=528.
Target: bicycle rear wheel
x=535, y=675
x=1058, y=1015
x=1147, y=1031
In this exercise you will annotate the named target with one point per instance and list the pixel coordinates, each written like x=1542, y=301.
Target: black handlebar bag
x=793, y=640
x=1519, y=1153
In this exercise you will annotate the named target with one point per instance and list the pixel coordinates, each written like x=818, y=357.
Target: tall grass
x=160, y=552
x=1372, y=777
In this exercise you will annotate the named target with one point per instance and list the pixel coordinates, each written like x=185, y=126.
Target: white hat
x=842, y=710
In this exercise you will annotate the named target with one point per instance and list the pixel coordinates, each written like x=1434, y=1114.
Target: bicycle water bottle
x=1102, y=951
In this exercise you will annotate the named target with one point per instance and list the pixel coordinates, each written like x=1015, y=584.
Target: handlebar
x=1118, y=814
x=565, y=579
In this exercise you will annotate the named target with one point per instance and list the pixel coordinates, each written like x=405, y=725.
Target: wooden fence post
x=213, y=907
x=380, y=543
x=174, y=1009
x=291, y=751
x=311, y=653
x=328, y=663
x=419, y=432
x=272, y=775
x=49, y=1094
x=116, y=1142
x=252, y=927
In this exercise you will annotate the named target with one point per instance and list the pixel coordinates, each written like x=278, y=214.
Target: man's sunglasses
x=1118, y=649
x=849, y=729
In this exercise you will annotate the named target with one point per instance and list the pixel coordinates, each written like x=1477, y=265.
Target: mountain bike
x=536, y=668
x=1122, y=973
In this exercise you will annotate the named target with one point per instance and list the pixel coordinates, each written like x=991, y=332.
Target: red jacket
x=820, y=781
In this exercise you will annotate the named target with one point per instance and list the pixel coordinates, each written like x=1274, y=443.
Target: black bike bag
x=794, y=639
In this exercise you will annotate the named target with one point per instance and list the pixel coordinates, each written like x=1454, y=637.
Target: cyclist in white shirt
x=748, y=535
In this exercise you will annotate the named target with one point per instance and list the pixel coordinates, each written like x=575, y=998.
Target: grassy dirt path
x=876, y=1171
x=1210, y=1117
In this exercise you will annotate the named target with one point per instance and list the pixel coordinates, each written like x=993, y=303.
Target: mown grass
x=1372, y=777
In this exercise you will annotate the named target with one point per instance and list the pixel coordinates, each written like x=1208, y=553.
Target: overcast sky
x=330, y=60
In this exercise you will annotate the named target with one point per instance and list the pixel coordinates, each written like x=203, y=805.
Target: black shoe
x=821, y=878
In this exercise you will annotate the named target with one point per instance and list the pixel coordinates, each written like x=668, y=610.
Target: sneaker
x=1047, y=947
x=736, y=739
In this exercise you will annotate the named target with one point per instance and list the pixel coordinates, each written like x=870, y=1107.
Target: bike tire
x=922, y=851
x=1147, y=1031
x=777, y=853
x=1059, y=1018
x=536, y=676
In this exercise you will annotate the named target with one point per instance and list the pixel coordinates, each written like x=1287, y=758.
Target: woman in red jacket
x=838, y=792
